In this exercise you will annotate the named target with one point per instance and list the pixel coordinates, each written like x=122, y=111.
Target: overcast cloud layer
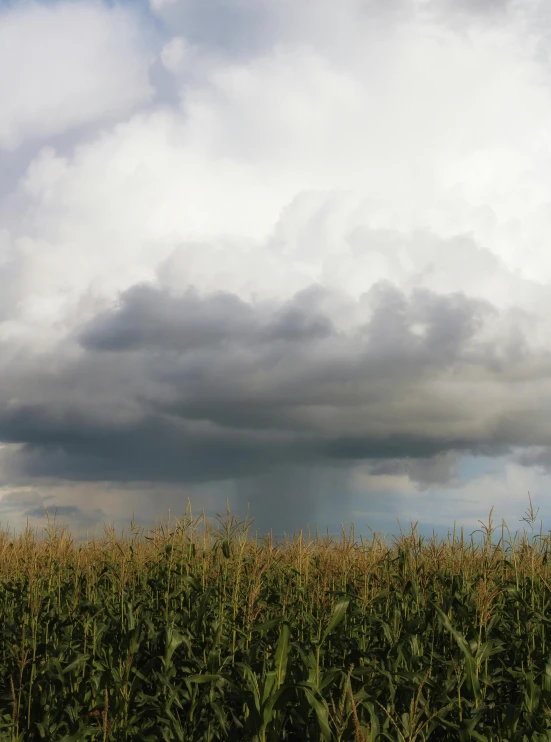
x=291, y=254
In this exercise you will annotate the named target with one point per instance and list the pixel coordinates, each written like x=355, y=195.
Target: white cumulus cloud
x=67, y=64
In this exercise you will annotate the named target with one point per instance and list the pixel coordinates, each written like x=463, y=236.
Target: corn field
x=199, y=633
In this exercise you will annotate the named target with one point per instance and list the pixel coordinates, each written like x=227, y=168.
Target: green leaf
x=319, y=705
x=76, y=663
x=202, y=678
x=338, y=615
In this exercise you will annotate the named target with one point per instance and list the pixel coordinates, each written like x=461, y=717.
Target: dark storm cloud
x=446, y=322
x=171, y=450
x=271, y=368
x=438, y=470
x=193, y=389
x=150, y=318
x=155, y=448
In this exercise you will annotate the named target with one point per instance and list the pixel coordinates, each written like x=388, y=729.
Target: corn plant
x=200, y=632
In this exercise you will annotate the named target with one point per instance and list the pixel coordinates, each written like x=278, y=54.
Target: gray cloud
x=28, y=500
x=243, y=29
x=233, y=27
x=438, y=470
x=182, y=388
x=478, y=8
x=68, y=444
x=150, y=318
x=35, y=508
x=462, y=15
x=287, y=403
x=289, y=497
x=70, y=511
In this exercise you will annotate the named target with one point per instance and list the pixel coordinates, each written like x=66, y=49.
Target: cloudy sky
x=292, y=254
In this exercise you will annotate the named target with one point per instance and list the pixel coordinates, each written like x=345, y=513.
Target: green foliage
x=213, y=636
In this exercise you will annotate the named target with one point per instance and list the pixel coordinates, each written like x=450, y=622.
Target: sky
x=290, y=254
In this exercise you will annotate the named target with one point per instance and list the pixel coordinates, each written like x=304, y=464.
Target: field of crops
x=201, y=632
